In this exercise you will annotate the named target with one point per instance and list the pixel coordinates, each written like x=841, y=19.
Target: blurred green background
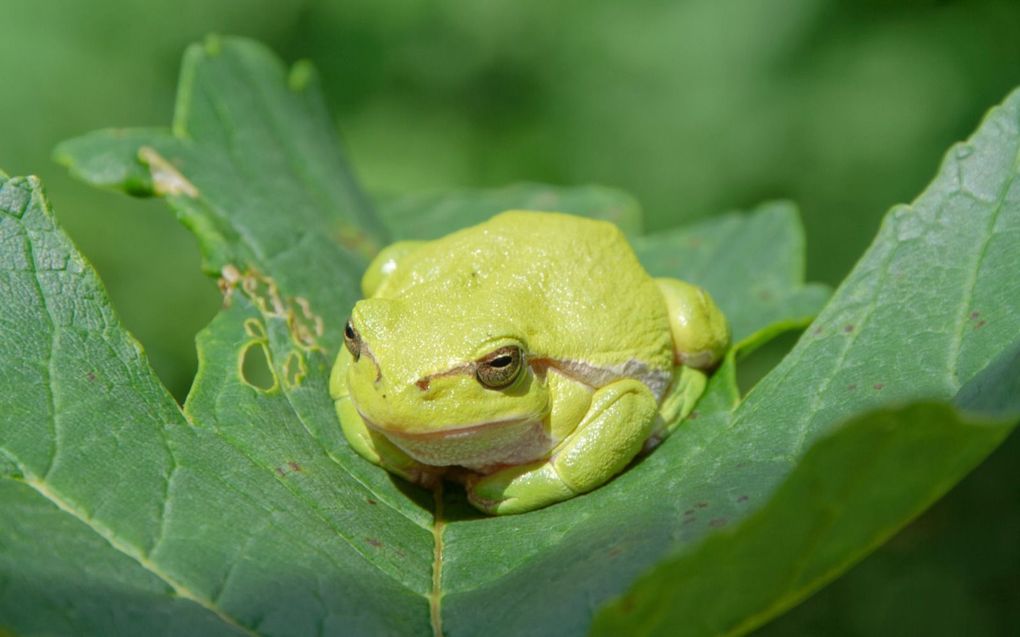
x=694, y=106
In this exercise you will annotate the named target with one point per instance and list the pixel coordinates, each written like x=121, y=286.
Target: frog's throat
x=477, y=446
x=436, y=434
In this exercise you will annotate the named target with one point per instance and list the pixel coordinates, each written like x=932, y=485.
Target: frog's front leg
x=621, y=418
x=376, y=448
x=372, y=445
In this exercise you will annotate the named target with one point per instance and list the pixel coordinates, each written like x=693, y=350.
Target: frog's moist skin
x=530, y=356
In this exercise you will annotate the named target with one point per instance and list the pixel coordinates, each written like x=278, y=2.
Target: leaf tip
x=301, y=75
x=213, y=44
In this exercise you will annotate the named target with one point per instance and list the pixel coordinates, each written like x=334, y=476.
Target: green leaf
x=236, y=516
x=829, y=512
x=253, y=167
x=433, y=214
x=930, y=305
x=251, y=507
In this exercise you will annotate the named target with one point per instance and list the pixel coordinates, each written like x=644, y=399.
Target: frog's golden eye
x=500, y=368
x=352, y=340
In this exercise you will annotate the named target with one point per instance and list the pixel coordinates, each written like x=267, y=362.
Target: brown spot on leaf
x=280, y=472
x=765, y=295
x=613, y=552
x=848, y=329
x=716, y=523
x=627, y=604
x=975, y=314
x=980, y=324
x=294, y=466
x=693, y=415
x=91, y=376
x=742, y=498
x=852, y=386
x=689, y=512
x=371, y=501
x=702, y=504
x=423, y=384
x=374, y=542
x=878, y=386
x=817, y=331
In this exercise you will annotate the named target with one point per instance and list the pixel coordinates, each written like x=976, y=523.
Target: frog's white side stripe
x=657, y=380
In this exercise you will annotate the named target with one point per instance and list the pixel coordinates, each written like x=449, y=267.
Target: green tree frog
x=530, y=357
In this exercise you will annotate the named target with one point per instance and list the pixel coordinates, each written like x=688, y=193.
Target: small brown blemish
x=371, y=501
x=848, y=329
x=91, y=376
x=423, y=384
x=765, y=295
x=688, y=520
x=689, y=512
x=613, y=552
x=742, y=498
x=627, y=604
x=294, y=466
x=975, y=314
x=693, y=415
x=743, y=465
x=852, y=386
x=374, y=542
x=716, y=523
x=702, y=504
x=980, y=324
x=817, y=331
x=166, y=178
x=878, y=386
x=280, y=472
x=352, y=238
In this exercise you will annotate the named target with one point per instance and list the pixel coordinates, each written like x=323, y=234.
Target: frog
x=531, y=358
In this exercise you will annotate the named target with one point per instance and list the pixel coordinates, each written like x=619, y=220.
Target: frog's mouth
x=475, y=446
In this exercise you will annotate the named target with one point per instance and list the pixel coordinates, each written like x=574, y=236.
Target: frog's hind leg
x=699, y=328
x=622, y=416
x=687, y=387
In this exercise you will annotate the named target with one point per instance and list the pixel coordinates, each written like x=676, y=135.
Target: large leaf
x=932, y=302
x=259, y=513
x=237, y=518
x=831, y=510
x=252, y=166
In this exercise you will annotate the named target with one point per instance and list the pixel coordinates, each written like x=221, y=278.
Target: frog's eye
x=352, y=340
x=500, y=368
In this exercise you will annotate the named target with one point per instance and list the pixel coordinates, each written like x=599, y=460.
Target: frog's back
x=571, y=286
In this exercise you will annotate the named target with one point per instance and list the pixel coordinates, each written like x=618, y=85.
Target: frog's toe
x=517, y=489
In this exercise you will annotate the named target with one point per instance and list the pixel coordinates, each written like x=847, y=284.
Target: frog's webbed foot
x=621, y=418
x=700, y=331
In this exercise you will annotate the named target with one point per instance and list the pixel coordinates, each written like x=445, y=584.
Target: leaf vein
x=180, y=589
